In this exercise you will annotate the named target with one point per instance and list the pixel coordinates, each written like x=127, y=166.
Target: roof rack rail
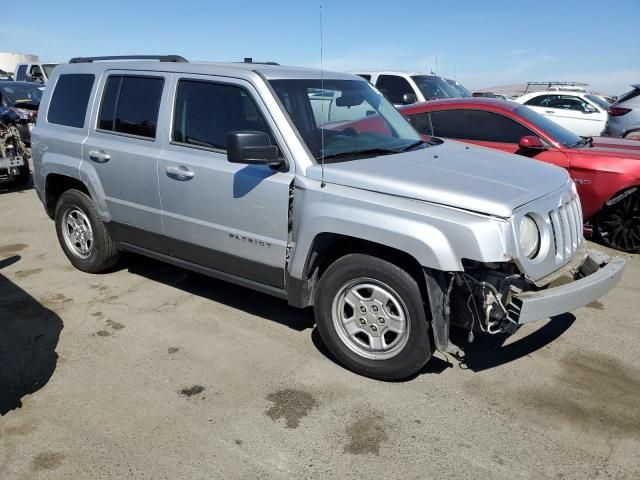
x=555, y=84
x=160, y=58
x=250, y=60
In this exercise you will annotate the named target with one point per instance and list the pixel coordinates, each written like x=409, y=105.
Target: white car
x=583, y=113
x=404, y=88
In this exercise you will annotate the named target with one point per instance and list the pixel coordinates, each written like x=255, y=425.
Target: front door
x=228, y=217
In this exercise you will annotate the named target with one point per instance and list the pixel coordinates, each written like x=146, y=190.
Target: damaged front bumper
x=594, y=278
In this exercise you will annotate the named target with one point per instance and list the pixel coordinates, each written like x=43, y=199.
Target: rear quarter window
x=68, y=105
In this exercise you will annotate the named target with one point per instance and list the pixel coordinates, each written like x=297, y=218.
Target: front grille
x=566, y=225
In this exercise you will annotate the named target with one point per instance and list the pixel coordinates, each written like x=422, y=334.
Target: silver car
x=624, y=116
x=312, y=187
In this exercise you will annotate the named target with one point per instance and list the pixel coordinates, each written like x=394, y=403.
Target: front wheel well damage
x=56, y=185
x=329, y=247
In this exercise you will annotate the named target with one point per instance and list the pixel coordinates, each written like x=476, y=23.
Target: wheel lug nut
x=374, y=308
x=373, y=328
x=363, y=309
x=362, y=321
x=381, y=320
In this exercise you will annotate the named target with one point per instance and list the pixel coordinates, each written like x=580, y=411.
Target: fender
x=436, y=236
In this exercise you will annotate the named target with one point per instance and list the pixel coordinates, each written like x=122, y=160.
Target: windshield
x=20, y=93
x=549, y=127
x=434, y=87
x=459, y=87
x=48, y=68
x=347, y=117
x=601, y=102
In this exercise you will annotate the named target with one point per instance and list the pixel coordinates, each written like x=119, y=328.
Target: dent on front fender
x=437, y=236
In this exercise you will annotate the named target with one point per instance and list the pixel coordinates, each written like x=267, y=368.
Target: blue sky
x=490, y=42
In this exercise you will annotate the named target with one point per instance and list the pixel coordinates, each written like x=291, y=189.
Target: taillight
x=618, y=111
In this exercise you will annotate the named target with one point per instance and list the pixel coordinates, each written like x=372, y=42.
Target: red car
x=606, y=170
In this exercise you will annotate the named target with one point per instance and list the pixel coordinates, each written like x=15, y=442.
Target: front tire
x=82, y=235
x=371, y=317
x=618, y=225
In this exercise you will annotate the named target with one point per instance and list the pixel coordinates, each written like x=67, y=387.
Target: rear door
x=122, y=150
x=229, y=217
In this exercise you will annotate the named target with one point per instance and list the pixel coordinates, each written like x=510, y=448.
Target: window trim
x=221, y=151
x=115, y=108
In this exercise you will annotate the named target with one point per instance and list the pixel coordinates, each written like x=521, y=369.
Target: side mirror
x=590, y=109
x=408, y=98
x=530, y=142
x=253, y=148
x=28, y=77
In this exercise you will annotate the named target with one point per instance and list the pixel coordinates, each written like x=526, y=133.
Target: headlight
x=529, y=237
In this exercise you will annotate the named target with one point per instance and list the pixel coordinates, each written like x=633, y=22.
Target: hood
x=453, y=173
x=618, y=147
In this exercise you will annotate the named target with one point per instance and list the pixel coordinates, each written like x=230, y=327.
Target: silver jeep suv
x=309, y=186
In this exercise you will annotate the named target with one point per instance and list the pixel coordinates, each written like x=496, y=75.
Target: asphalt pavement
x=152, y=372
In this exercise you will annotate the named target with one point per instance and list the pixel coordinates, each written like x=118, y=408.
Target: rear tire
x=618, y=226
x=371, y=317
x=82, y=235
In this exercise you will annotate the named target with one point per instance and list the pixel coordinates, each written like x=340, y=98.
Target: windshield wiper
x=412, y=145
x=359, y=153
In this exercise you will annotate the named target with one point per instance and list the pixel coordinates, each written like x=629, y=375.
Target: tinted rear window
x=69, y=101
x=130, y=105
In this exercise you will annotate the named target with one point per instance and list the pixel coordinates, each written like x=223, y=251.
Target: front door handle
x=183, y=173
x=548, y=111
x=99, y=156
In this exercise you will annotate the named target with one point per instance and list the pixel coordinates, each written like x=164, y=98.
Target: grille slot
x=566, y=226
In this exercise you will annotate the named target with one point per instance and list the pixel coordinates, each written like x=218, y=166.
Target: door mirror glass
x=408, y=98
x=530, y=142
x=252, y=148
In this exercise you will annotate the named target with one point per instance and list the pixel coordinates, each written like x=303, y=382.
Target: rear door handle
x=548, y=111
x=99, y=156
x=181, y=172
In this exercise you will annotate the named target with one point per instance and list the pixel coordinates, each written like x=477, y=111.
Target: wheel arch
x=327, y=247
x=55, y=185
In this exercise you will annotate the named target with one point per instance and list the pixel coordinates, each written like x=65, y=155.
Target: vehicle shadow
x=29, y=334
x=11, y=188
x=241, y=298
x=489, y=351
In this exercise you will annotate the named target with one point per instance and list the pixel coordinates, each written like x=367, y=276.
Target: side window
x=130, y=105
x=539, y=101
x=477, y=125
x=68, y=105
x=393, y=87
x=422, y=123
x=450, y=124
x=567, y=102
x=20, y=74
x=205, y=113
